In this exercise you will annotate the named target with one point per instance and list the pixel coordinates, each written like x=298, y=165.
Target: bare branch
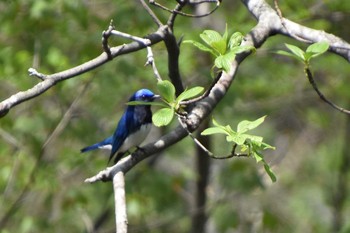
x=105, y=35
x=319, y=93
x=179, y=12
x=120, y=203
x=151, y=13
x=269, y=20
x=50, y=80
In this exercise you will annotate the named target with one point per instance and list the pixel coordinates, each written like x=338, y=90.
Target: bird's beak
x=156, y=97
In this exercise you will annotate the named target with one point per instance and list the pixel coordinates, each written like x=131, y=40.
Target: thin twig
x=151, y=61
x=186, y=14
x=209, y=153
x=105, y=35
x=314, y=85
x=146, y=42
x=34, y=72
x=206, y=93
x=279, y=13
x=151, y=13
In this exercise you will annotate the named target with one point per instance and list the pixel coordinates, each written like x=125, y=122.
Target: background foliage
x=42, y=171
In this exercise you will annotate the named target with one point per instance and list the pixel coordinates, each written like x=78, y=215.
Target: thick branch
x=269, y=19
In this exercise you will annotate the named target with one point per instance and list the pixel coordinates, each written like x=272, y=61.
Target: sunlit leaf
x=244, y=48
x=270, y=172
x=222, y=62
x=213, y=130
x=235, y=40
x=237, y=138
x=246, y=125
x=201, y=46
x=210, y=36
x=166, y=90
x=258, y=157
x=219, y=46
x=163, y=117
x=318, y=48
x=298, y=52
x=190, y=93
x=133, y=103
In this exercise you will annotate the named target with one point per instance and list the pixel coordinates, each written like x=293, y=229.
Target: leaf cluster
x=249, y=143
x=312, y=51
x=222, y=47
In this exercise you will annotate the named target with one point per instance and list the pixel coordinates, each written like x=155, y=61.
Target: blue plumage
x=132, y=128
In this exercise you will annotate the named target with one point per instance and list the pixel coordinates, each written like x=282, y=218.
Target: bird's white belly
x=136, y=138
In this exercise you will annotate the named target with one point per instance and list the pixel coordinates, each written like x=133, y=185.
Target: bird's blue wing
x=105, y=142
x=120, y=134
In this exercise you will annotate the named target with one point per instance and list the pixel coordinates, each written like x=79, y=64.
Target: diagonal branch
x=319, y=93
x=50, y=80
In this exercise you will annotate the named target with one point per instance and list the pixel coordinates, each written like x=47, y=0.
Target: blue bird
x=132, y=129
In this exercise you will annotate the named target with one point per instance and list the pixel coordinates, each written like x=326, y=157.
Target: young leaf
x=219, y=46
x=163, y=117
x=318, y=48
x=270, y=172
x=296, y=51
x=243, y=48
x=258, y=157
x=190, y=93
x=237, y=138
x=146, y=103
x=201, y=46
x=210, y=36
x=213, y=130
x=223, y=62
x=166, y=90
x=245, y=125
x=235, y=40
x=285, y=53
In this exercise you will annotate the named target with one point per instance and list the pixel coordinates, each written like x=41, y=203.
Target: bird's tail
x=105, y=144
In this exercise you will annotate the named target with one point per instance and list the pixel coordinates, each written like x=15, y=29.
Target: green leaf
x=237, y=138
x=235, y=40
x=245, y=125
x=256, y=140
x=163, y=117
x=223, y=62
x=299, y=53
x=190, y=93
x=213, y=130
x=219, y=46
x=285, y=53
x=146, y=103
x=318, y=48
x=315, y=50
x=266, y=146
x=201, y=46
x=270, y=172
x=166, y=90
x=210, y=36
x=243, y=48
x=258, y=157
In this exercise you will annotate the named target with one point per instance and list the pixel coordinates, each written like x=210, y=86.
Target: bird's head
x=144, y=95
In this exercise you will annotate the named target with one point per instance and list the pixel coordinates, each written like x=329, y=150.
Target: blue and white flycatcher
x=132, y=129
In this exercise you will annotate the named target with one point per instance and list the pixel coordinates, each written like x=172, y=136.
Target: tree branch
x=50, y=80
x=119, y=202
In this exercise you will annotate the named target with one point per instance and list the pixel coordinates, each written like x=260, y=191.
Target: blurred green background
x=42, y=170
